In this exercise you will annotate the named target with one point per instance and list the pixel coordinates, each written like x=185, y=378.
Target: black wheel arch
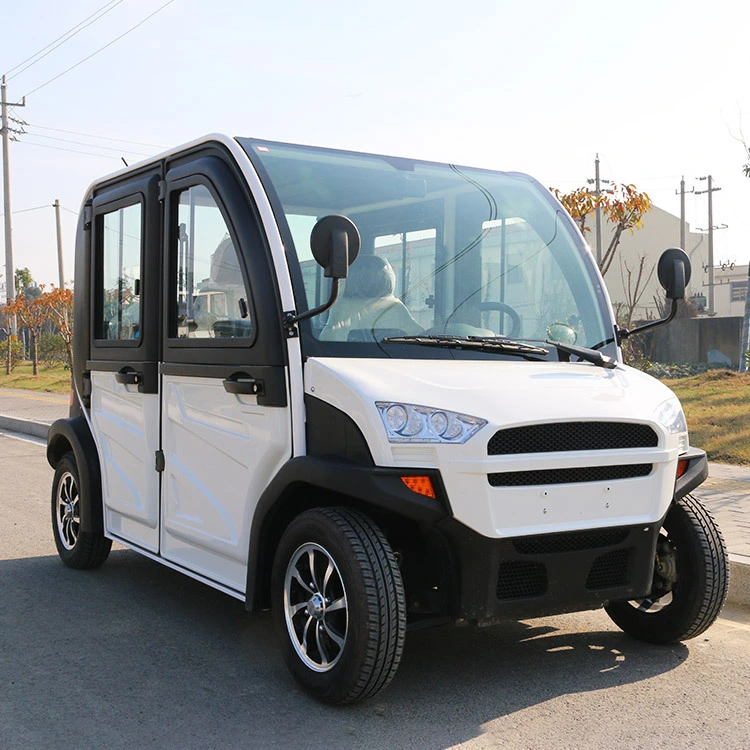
x=307, y=482
x=73, y=434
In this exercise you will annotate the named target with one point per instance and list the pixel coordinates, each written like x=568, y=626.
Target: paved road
x=136, y=655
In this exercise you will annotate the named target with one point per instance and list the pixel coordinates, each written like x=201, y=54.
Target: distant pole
x=682, y=212
x=10, y=274
x=711, y=189
x=598, y=212
x=60, y=267
x=745, y=345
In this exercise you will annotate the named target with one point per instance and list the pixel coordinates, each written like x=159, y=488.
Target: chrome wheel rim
x=315, y=607
x=67, y=513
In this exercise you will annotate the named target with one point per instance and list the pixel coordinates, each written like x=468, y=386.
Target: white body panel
x=511, y=394
x=127, y=436
x=221, y=451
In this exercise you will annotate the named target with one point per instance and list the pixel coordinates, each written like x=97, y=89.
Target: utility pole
x=597, y=182
x=681, y=193
x=60, y=268
x=10, y=276
x=710, y=190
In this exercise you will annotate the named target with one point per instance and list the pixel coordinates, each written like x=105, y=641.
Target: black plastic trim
x=73, y=433
x=274, y=392
x=380, y=489
x=333, y=433
x=696, y=474
x=215, y=169
x=567, y=585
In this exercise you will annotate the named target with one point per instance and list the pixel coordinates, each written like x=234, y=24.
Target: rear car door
x=124, y=353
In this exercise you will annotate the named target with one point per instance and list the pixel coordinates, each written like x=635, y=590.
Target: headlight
x=671, y=416
x=408, y=423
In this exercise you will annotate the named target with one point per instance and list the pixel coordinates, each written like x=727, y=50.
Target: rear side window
x=119, y=295
x=209, y=291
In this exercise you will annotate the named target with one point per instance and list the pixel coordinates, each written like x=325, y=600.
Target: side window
x=119, y=314
x=208, y=291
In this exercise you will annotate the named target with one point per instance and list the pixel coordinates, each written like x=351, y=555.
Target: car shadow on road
x=142, y=655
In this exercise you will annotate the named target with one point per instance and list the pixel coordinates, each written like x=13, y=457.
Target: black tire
x=691, y=579
x=353, y=609
x=77, y=549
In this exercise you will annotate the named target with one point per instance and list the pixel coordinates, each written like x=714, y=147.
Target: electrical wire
x=64, y=38
x=82, y=143
x=109, y=44
x=70, y=150
x=89, y=135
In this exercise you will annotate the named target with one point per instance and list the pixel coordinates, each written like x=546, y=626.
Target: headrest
x=370, y=277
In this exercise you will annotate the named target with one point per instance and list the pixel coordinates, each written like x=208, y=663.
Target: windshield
x=445, y=250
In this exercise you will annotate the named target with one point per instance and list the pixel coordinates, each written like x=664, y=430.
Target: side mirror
x=674, y=272
x=335, y=242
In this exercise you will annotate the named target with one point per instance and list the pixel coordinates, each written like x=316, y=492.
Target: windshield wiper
x=472, y=343
x=589, y=355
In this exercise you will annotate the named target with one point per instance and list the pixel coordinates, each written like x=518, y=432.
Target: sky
x=658, y=88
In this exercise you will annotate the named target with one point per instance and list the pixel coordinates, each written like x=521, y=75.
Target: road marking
x=36, y=396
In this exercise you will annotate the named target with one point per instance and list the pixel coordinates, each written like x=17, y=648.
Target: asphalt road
x=137, y=655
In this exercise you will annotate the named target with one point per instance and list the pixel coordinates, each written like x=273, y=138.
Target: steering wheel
x=515, y=318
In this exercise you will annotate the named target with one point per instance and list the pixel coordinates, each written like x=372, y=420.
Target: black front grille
x=568, y=476
x=569, y=541
x=519, y=579
x=572, y=436
x=609, y=571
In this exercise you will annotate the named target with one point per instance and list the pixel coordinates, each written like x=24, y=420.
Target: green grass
x=717, y=407
x=53, y=379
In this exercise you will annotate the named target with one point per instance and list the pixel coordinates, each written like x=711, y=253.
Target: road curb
x=739, y=580
x=24, y=426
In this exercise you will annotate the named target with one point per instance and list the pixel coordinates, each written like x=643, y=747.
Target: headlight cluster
x=670, y=415
x=408, y=423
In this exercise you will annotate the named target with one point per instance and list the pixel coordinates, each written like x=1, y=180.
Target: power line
x=70, y=150
x=90, y=135
x=109, y=44
x=64, y=38
x=82, y=143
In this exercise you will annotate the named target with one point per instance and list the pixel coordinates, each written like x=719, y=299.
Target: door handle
x=244, y=384
x=129, y=377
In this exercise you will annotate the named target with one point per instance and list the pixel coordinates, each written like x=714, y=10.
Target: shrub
x=51, y=348
x=16, y=353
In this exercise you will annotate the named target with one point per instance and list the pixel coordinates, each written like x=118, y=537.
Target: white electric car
x=371, y=393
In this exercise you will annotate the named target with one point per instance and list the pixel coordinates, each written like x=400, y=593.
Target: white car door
x=226, y=427
x=123, y=369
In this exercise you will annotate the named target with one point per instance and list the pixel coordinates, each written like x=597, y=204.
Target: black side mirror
x=674, y=272
x=335, y=242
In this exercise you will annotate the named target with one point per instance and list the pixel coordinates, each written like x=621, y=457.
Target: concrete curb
x=24, y=426
x=739, y=580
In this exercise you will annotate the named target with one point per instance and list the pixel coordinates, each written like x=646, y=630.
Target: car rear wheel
x=691, y=579
x=77, y=548
x=339, y=605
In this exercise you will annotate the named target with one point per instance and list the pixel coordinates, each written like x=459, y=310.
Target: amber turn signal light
x=420, y=485
x=682, y=467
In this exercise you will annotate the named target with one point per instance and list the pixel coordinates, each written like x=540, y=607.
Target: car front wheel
x=339, y=605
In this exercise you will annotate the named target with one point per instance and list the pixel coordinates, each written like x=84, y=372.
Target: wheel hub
x=316, y=607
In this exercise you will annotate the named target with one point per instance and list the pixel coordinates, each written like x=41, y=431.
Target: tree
x=33, y=314
x=59, y=306
x=622, y=205
x=23, y=280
